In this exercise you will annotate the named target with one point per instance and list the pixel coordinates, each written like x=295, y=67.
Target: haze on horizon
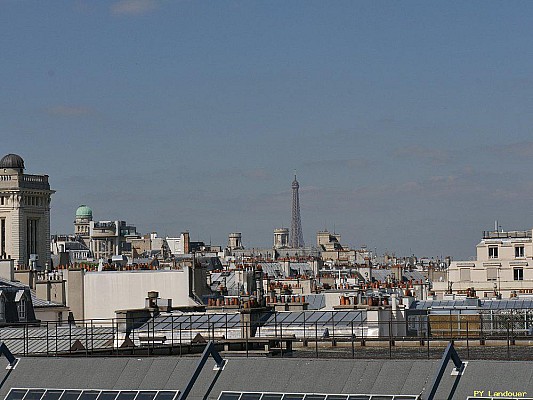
x=408, y=123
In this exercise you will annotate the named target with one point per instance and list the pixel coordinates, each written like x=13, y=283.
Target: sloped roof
x=269, y=375
x=41, y=303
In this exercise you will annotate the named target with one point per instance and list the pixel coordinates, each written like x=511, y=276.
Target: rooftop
x=328, y=376
x=507, y=235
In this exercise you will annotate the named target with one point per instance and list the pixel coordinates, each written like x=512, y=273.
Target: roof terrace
x=507, y=235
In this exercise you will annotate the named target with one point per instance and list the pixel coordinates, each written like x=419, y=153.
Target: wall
x=75, y=292
x=7, y=268
x=51, y=290
x=52, y=314
x=106, y=292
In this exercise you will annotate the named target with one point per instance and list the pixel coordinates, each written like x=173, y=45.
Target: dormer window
x=22, y=309
x=2, y=307
x=493, y=251
x=20, y=300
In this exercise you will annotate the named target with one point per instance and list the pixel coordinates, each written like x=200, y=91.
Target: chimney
x=151, y=300
x=186, y=242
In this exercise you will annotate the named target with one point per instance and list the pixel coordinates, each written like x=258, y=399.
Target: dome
x=84, y=212
x=12, y=161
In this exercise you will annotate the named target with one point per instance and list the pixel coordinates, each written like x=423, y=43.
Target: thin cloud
x=133, y=7
x=346, y=163
x=68, y=111
x=433, y=155
x=520, y=149
x=257, y=174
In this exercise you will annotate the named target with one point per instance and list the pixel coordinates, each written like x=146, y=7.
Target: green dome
x=84, y=212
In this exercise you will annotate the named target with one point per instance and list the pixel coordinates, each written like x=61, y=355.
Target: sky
x=409, y=124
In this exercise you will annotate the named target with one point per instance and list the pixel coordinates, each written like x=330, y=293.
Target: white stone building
x=24, y=213
x=503, y=267
x=179, y=245
x=104, y=239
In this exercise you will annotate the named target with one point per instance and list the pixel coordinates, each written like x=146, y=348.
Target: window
x=519, y=251
x=2, y=238
x=518, y=274
x=492, y=274
x=493, y=251
x=465, y=274
x=2, y=308
x=22, y=309
x=31, y=237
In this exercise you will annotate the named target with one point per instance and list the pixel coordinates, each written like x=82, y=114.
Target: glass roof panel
x=71, y=394
x=108, y=395
x=164, y=395
x=126, y=395
x=16, y=394
x=401, y=397
x=313, y=316
x=325, y=317
x=315, y=397
x=339, y=316
x=52, y=395
x=217, y=318
x=337, y=397
x=34, y=394
x=89, y=395
x=229, y=396
x=250, y=396
x=290, y=396
x=146, y=395
x=291, y=317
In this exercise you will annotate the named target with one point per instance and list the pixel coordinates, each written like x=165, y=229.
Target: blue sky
x=408, y=123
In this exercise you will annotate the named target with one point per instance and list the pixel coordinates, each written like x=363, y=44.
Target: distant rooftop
x=507, y=235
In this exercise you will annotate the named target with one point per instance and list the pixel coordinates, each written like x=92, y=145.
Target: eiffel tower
x=297, y=236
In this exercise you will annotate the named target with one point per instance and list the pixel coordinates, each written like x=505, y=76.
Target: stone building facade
x=24, y=213
x=503, y=267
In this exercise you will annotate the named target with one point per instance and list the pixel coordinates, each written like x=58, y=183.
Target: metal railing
x=499, y=338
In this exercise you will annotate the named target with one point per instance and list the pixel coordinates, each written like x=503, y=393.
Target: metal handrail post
x=246, y=331
x=467, y=340
x=316, y=338
x=390, y=339
x=56, y=338
x=508, y=343
x=303, y=312
x=86, y=340
x=353, y=343
x=427, y=333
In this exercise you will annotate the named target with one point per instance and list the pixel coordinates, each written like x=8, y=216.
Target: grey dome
x=12, y=161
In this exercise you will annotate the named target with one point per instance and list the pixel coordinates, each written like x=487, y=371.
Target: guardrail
x=326, y=338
